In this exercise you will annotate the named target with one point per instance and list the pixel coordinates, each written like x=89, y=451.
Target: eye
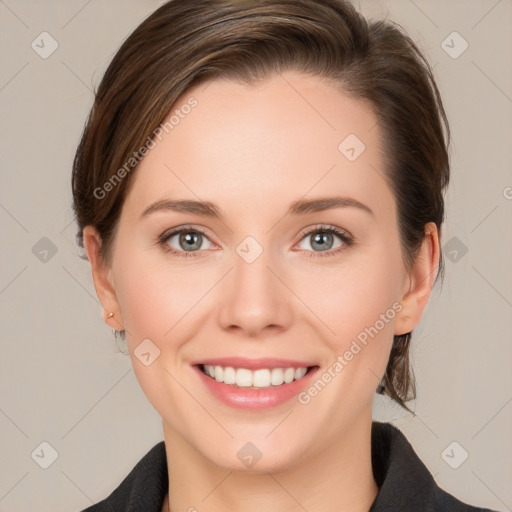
x=324, y=239
x=188, y=240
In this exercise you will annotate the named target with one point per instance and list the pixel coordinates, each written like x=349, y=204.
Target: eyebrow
x=300, y=207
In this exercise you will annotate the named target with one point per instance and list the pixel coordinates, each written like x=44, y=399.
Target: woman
x=259, y=191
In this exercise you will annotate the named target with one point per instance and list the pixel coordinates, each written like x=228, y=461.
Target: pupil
x=190, y=241
x=319, y=238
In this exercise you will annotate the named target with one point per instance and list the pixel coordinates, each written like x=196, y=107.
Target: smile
x=254, y=379
x=266, y=384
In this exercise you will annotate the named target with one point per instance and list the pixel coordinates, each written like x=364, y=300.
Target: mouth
x=254, y=384
x=259, y=378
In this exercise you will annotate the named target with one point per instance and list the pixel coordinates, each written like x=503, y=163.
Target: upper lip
x=254, y=364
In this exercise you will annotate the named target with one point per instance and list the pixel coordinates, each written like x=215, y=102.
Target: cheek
x=154, y=300
x=142, y=302
x=154, y=295
x=354, y=319
x=352, y=296
x=355, y=307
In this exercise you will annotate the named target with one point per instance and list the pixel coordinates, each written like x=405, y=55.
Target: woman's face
x=260, y=281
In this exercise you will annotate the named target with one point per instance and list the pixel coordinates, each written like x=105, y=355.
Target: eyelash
x=345, y=237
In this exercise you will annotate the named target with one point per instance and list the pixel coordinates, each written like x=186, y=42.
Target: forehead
x=281, y=138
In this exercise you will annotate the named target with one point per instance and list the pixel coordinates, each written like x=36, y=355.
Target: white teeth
x=243, y=378
x=300, y=372
x=289, y=375
x=229, y=375
x=277, y=377
x=261, y=378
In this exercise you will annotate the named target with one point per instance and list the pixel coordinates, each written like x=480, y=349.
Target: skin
x=253, y=150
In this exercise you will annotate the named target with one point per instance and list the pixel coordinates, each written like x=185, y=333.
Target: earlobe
x=102, y=278
x=419, y=282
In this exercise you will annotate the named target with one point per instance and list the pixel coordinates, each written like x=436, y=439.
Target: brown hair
x=184, y=43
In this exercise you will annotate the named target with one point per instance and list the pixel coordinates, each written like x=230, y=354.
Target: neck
x=339, y=478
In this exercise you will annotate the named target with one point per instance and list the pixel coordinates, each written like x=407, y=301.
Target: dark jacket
x=405, y=484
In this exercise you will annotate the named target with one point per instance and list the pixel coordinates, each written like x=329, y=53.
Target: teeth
x=262, y=378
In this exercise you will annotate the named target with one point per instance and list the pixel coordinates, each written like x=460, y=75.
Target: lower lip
x=245, y=398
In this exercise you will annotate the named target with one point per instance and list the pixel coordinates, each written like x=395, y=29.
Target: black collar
x=405, y=484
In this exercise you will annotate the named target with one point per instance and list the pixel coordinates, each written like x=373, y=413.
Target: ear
x=419, y=282
x=102, y=277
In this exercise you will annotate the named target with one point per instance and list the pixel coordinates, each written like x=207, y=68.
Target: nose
x=255, y=299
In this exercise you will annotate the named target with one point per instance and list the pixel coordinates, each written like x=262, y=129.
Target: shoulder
x=144, y=488
x=404, y=482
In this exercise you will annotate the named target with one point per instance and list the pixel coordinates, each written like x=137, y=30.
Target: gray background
x=62, y=377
